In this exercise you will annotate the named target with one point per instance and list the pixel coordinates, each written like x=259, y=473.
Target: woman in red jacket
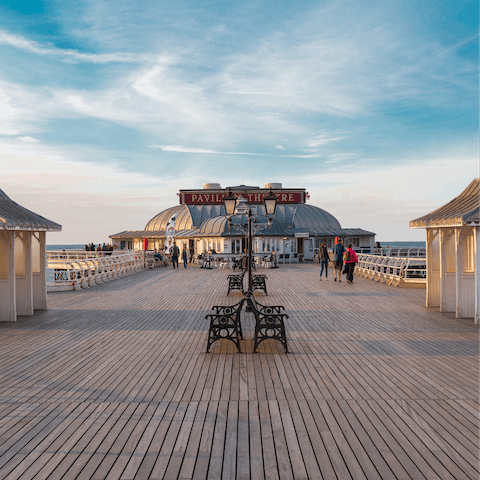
x=350, y=259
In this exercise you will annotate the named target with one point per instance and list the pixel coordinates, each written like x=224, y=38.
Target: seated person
x=203, y=258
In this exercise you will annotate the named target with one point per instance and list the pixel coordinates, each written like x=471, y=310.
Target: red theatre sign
x=200, y=198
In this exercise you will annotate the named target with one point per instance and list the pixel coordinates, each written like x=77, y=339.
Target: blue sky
x=108, y=108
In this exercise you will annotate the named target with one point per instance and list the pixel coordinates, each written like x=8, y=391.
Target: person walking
x=324, y=258
x=338, y=251
x=175, y=252
x=350, y=259
x=184, y=256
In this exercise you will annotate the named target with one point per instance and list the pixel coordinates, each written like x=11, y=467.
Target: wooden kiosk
x=453, y=254
x=23, y=269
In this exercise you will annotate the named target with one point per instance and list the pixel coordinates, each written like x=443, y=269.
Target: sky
x=109, y=108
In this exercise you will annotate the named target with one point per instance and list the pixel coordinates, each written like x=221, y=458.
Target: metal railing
x=400, y=252
x=88, y=272
x=68, y=255
x=392, y=270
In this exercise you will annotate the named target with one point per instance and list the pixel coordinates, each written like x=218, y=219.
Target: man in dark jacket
x=338, y=251
x=175, y=252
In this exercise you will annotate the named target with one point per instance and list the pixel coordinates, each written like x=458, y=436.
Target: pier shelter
x=23, y=269
x=453, y=254
x=200, y=224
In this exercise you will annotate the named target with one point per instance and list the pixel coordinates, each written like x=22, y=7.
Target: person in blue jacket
x=338, y=251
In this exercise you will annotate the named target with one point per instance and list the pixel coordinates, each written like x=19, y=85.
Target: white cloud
x=30, y=46
x=28, y=139
x=180, y=149
x=384, y=198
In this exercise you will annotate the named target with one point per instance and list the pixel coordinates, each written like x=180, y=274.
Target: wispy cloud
x=180, y=149
x=31, y=46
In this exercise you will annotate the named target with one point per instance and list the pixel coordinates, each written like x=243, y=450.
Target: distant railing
x=90, y=271
x=392, y=270
x=67, y=255
x=400, y=252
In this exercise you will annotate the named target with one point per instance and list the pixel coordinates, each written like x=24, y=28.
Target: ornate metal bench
x=225, y=324
x=269, y=323
x=238, y=263
x=258, y=283
x=235, y=282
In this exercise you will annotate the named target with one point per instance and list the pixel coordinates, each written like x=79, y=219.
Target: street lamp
x=230, y=201
x=270, y=203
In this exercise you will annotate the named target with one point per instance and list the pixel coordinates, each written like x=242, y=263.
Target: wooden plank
x=113, y=382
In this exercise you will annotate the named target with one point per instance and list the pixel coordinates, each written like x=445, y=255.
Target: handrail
x=87, y=272
x=400, y=252
x=67, y=255
x=391, y=270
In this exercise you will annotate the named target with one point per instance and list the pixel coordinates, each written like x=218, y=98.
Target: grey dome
x=311, y=217
x=212, y=221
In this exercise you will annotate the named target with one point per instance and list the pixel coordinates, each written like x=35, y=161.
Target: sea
x=402, y=244
x=66, y=247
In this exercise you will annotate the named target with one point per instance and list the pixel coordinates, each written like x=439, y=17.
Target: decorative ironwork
x=269, y=323
x=258, y=283
x=225, y=324
x=235, y=282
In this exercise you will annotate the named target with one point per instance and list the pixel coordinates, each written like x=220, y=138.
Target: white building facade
x=453, y=254
x=23, y=269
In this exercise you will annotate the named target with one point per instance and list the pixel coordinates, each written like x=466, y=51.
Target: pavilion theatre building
x=199, y=223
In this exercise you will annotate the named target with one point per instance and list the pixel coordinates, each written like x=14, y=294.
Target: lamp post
x=270, y=203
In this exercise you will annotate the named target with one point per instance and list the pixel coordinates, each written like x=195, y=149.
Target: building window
x=469, y=253
x=36, y=262
x=435, y=249
x=4, y=248
x=19, y=255
x=451, y=254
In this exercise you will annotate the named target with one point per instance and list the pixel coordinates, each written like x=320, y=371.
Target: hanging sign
x=302, y=235
x=202, y=198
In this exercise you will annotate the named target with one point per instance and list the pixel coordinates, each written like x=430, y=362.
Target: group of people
x=344, y=260
x=99, y=248
x=175, y=253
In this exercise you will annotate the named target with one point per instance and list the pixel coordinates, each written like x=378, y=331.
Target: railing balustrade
x=86, y=272
x=391, y=270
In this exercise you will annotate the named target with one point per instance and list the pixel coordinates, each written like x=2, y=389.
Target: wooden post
x=443, y=269
x=433, y=272
x=8, y=299
x=476, y=231
x=39, y=271
x=23, y=274
x=460, y=250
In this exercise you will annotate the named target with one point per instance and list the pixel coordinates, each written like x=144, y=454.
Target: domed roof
x=211, y=219
x=183, y=221
x=314, y=218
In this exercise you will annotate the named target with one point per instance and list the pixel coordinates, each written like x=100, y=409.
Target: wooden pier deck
x=114, y=383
